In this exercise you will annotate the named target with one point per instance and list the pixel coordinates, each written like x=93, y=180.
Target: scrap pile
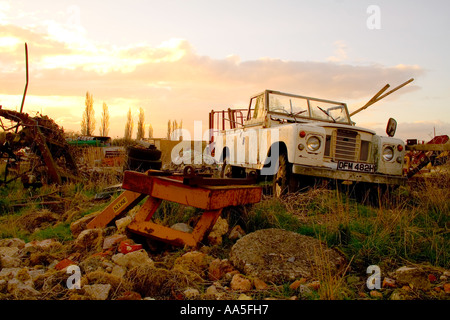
x=35, y=149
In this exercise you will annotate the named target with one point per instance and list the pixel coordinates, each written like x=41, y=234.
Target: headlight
x=388, y=153
x=313, y=143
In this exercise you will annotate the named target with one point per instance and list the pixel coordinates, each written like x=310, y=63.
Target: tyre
x=143, y=165
x=144, y=154
x=283, y=180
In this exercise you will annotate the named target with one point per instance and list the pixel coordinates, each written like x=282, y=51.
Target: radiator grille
x=346, y=145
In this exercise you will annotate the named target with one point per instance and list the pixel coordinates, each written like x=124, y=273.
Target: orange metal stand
x=211, y=199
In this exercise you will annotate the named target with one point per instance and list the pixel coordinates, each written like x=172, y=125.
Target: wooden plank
x=125, y=201
x=428, y=147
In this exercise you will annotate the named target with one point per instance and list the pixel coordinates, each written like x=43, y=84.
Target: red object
x=127, y=247
x=64, y=264
x=432, y=277
x=302, y=134
x=400, y=147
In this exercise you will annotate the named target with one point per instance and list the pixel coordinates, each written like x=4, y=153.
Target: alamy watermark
x=374, y=280
x=230, y=146
x=74, y=281
x=373, y=21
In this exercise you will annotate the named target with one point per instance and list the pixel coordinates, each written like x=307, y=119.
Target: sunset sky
x=178, y=59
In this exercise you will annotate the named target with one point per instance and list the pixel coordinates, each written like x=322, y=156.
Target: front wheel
x=283, y=180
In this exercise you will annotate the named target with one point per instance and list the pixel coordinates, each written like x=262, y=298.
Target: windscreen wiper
x=326, y=113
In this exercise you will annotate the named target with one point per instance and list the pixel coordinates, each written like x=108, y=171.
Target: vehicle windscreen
x=297, y=108
x=328, y=112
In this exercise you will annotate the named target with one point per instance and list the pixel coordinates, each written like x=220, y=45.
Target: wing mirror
x=391, y=127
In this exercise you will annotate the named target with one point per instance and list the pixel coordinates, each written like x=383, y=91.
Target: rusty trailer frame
x=211, y=199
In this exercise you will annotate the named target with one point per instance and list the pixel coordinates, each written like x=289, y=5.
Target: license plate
x=356, y=166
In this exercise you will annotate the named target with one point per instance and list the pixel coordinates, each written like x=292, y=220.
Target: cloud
x=340, y=52
x=170, y=81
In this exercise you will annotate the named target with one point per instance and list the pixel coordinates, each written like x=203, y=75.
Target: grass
x=408, y=225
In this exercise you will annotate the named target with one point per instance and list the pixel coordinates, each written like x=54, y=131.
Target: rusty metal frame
x=211, y=199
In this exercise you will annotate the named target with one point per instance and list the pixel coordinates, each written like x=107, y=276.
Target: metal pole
x=26, y=85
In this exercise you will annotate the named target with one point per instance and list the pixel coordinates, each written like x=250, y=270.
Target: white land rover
x=292, y=137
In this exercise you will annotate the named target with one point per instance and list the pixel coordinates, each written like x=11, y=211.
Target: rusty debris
x=211, y=199
x=38, y=152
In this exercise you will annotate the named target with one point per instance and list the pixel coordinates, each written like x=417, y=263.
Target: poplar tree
x=104, y=123
x=150, y=131
x=88, y=122
x=140, y=127
x=128, y=126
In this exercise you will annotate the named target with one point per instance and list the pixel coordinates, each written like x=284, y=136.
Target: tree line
x=88, y=123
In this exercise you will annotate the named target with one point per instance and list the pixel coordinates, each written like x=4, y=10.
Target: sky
x=179, y=59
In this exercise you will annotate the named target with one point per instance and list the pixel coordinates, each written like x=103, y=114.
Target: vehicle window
x=288, y=105
x=257, y=105
x=328, y=112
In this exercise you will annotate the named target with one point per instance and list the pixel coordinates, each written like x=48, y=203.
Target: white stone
x=98, y=291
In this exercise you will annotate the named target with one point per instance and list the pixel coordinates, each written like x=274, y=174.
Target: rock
x=183, y=227
x=212, y=291
x=219, y=229
x=8, y=273
x=97, y=291
x=123, y=223
x=118, y=271
x=133, y=259
x=236, y=233
x=243, y=296
x=79, y=225
x=9, y=251
x=89, y=239
x=12, y=242
x=414, y=277
x=21, y=290
x=264, y=254
x=447, y=287
x=130, y=295
x=304, y=291
x=218, y=268
x=229, y=275
x=91, y=264
x=239, y=283
x=259, y=284
x=112, y=241
x=191, y=293
x=388, y=283
x=294, y=285
x=9, y=258
x=398, y=294
x=45, y=245
x=315, y=285
x=376, y=294
x=127, y=246
x=194, y=261
x=64, y=264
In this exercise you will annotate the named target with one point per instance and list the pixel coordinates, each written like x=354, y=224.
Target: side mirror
x=391, y=127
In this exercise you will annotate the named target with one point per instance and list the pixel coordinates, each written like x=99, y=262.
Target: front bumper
x=347, y=175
